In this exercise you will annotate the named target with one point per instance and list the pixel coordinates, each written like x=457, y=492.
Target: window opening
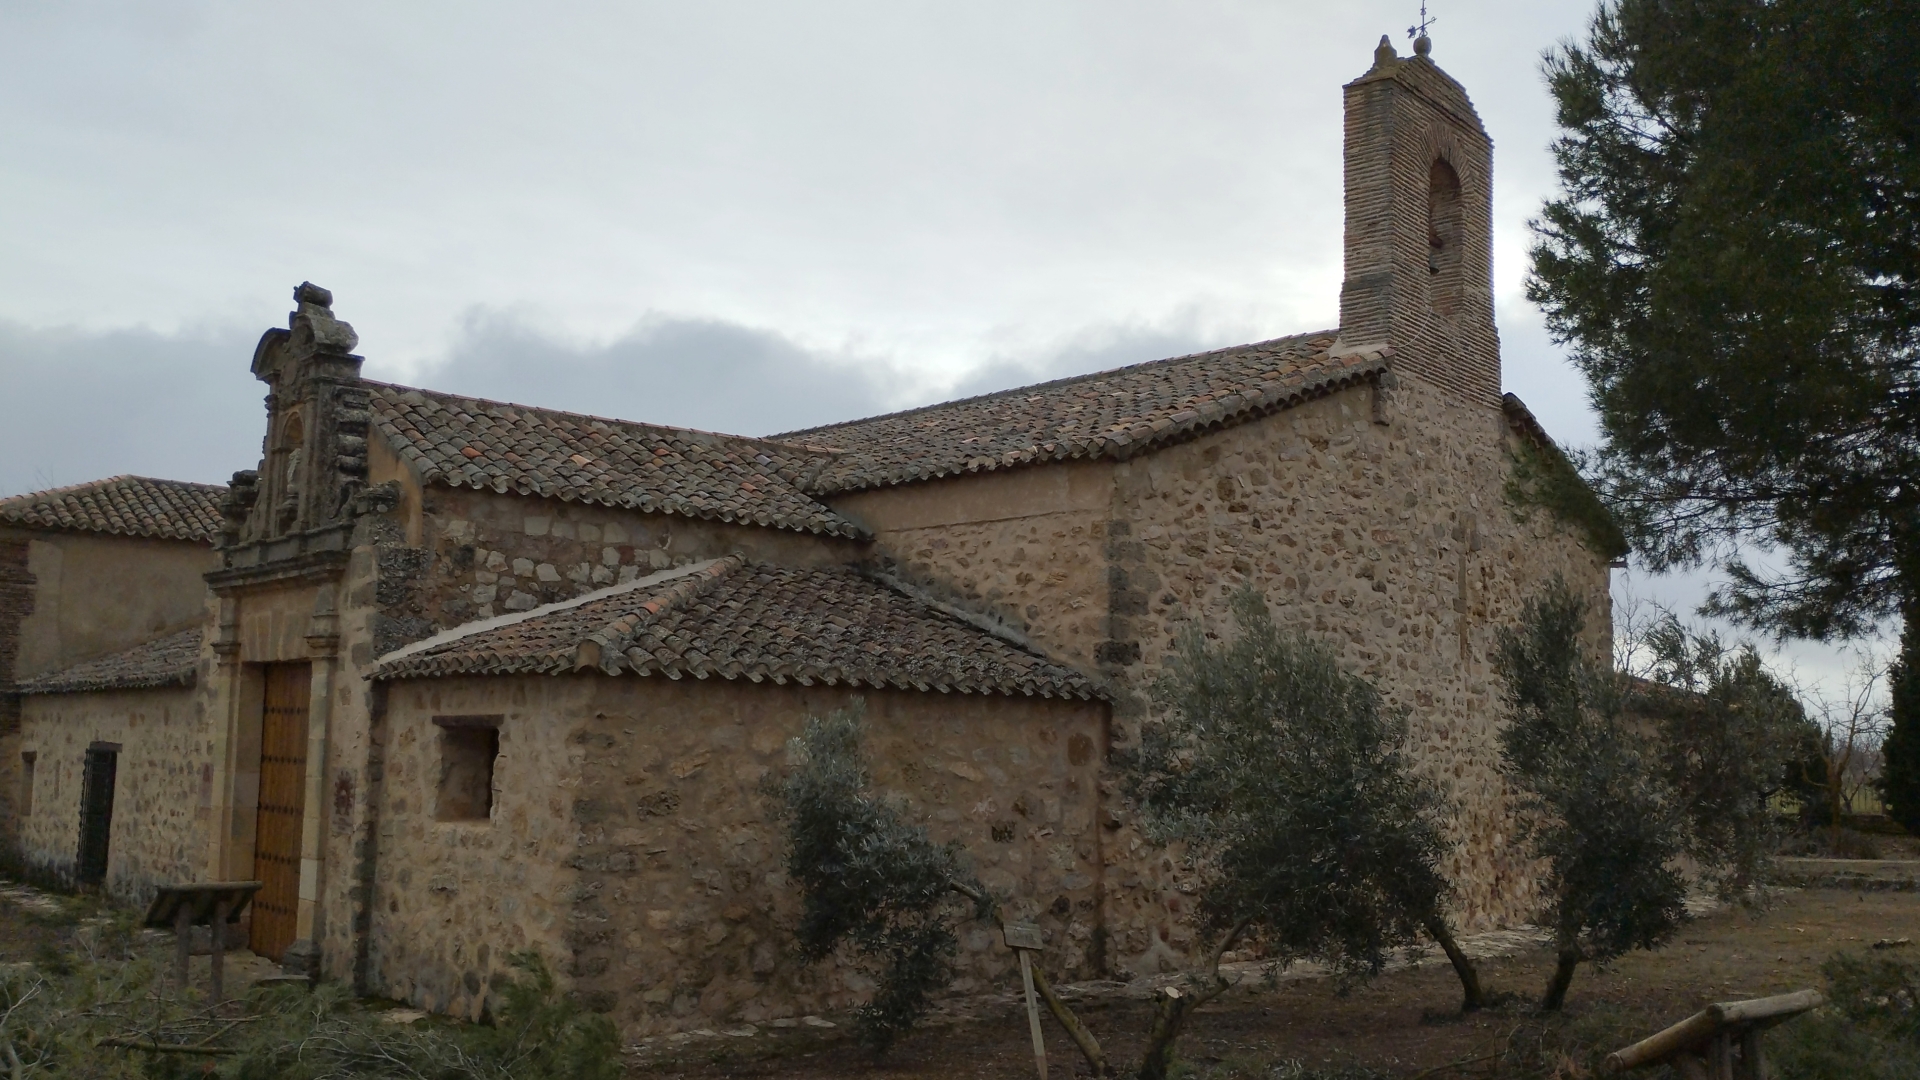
x=1444, y=229
x=469, y=747
x=26, y=783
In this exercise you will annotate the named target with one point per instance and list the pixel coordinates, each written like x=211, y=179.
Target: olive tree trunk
x=1471, y=997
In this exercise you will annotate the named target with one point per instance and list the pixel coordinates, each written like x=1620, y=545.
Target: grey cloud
x=700, y=373
x=1096, y=349
x=78, y=406
x=722, y=376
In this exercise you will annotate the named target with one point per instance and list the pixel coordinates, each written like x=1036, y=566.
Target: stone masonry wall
x=16, y=603
x=1391, y=540
x=451, y=900
x=163, y=784
x=477, y=554
x=642, y=856
x=1027, y=546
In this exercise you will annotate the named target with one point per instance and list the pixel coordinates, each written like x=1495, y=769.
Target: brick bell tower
x=1419, y=227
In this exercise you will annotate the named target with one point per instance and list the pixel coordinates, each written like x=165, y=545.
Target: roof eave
x=1124, y=446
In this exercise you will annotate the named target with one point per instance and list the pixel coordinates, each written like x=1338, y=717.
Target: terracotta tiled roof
x=470, y=442
x=741, y=620
x=123, y=505
x=167, y=661
x=1111, y=414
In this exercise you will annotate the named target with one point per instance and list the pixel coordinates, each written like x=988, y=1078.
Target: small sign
x=1023, y=936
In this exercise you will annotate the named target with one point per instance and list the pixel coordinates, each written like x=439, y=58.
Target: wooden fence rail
x=1720, y=1042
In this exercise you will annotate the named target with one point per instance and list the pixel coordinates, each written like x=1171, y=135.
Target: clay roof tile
x=1112, y=414
x=123, y=506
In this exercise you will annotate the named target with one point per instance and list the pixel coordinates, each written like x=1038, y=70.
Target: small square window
x=469, y=746
x=26, y=783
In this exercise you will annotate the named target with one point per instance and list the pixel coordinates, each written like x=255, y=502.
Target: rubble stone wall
x=163, y=784
x=632, y=844
x=1025, y=545
x=1394, y=542
x=452, y=900
x=461, y=555
x=16, y=602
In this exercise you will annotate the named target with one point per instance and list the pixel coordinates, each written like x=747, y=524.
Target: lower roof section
x=167, y=661
x=735, y=619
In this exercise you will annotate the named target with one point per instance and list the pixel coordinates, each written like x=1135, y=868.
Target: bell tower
x=1419, y=224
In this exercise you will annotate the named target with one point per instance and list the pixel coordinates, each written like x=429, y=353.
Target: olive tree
x=1286, y=781
x=1605, y=824
x=869, y=879
x=1729, y=732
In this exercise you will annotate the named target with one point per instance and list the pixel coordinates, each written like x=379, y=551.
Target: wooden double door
x=282, y=808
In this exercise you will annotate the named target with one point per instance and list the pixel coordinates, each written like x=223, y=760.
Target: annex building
x=457, y=677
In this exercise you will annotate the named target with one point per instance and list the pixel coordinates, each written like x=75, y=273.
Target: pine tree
x=1900, y=754
x=1734, y=259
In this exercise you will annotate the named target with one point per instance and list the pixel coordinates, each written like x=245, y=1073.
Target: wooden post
x=1033, y=1016
x=182, y=939
x=217, y=929
x=1720, y=1057
x=1753, y=1063
x=1024, y=938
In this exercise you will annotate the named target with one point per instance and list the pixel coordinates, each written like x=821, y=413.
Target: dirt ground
x=1405, y=1023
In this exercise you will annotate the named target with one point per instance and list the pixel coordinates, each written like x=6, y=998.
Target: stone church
x=456, y=677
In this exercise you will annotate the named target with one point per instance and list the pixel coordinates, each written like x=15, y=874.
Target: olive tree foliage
x=1606, y=824
x=1286, y=782
x=1729, y=733
x=869, y=878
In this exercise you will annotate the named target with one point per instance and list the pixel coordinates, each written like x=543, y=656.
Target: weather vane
x=1419, y=29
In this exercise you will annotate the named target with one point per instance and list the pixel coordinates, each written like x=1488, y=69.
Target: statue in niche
x=292, y=479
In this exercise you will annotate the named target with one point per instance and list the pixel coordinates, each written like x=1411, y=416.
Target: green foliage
x=1286, y=779
x=1900, y=753
x=1603, y=820
x=1869, y=1028
x=1730, y=737
x=1546, y=478
x=1734, y=259
x=868, y=878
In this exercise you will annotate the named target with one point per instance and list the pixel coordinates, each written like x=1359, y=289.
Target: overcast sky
x=743, y=216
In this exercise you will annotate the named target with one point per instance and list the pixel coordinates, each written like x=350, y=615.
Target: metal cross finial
x=1419, y=29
